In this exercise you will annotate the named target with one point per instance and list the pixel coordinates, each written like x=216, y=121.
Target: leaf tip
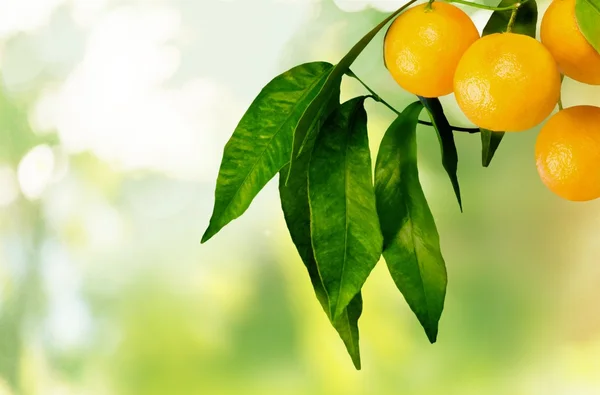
x=210, y=232
x=458, y=197
x=432, y=334
x=356, y=362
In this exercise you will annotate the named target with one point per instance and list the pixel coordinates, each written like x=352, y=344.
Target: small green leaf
x=346, y=236
x=525, y=23
x=490, y=141
x=301, y=134
x=588, y=18
x=411, y=240
x=296, y=210
x=262, y=142
x=447, y=144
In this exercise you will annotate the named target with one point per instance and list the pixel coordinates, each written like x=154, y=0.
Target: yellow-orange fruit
x=560, y=33
x=423, y=47
x=507, y=82
x=567, y=153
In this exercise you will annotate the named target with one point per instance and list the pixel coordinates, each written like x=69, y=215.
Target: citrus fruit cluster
x=508, y=82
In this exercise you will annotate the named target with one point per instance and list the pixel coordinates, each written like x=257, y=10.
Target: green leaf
x=588, y=18
x=346, y=237
x=447, y=144
x=490, y=141
x=296, y=210
x=294, y=201
x=525, y=23
x=301, y=134
x=411, y=241
x=262, y=142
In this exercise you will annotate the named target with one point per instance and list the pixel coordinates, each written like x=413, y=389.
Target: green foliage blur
x=113, y=115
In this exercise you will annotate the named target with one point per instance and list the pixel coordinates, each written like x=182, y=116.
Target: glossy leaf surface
x=262, y=142
x=346, y=237
x=411, y=241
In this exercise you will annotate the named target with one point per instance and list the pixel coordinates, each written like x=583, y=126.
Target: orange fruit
x=423, y=47
x=567, y=153
x=560, y=33
x=507, y=82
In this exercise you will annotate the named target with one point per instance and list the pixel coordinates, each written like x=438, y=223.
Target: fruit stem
x=560, y=103
x=378, y=98
x=488, y=7
x=513, y=18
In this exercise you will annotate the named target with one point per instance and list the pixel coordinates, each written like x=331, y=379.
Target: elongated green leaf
x=525, y=23
x=333, y=82
x=346, y=237
x=588, y=18
x=490, y=141
x=294, y=202
x=411, y=241
x=262, y=142
x=447, y=144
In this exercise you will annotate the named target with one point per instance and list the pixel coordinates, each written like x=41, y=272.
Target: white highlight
x=36, y=171
x=9, y=187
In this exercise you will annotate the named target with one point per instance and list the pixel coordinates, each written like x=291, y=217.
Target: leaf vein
x=416, y=256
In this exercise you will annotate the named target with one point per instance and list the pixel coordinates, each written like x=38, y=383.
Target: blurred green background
x=113, y=116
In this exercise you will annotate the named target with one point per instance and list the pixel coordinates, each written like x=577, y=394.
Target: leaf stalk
x=488, y=7
x=378, y=99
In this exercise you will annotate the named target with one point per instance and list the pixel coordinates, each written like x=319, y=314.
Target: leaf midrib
x=416, y=256
x=349, y=132
x=346, y=222
x=346, y=321
x=594, y=6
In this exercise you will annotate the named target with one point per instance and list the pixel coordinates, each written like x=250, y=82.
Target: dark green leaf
x=332, y=84
x=262, y=142
x=525, y=23
x=294, y=201
x=447, y=144
x=490, y=141
x=588, y=18
x=411, y=241
x=346, y=236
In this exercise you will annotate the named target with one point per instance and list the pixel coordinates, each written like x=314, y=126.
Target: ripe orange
x=423, y=47
x=567, y=153
x=561, y=35
x=507, y=82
